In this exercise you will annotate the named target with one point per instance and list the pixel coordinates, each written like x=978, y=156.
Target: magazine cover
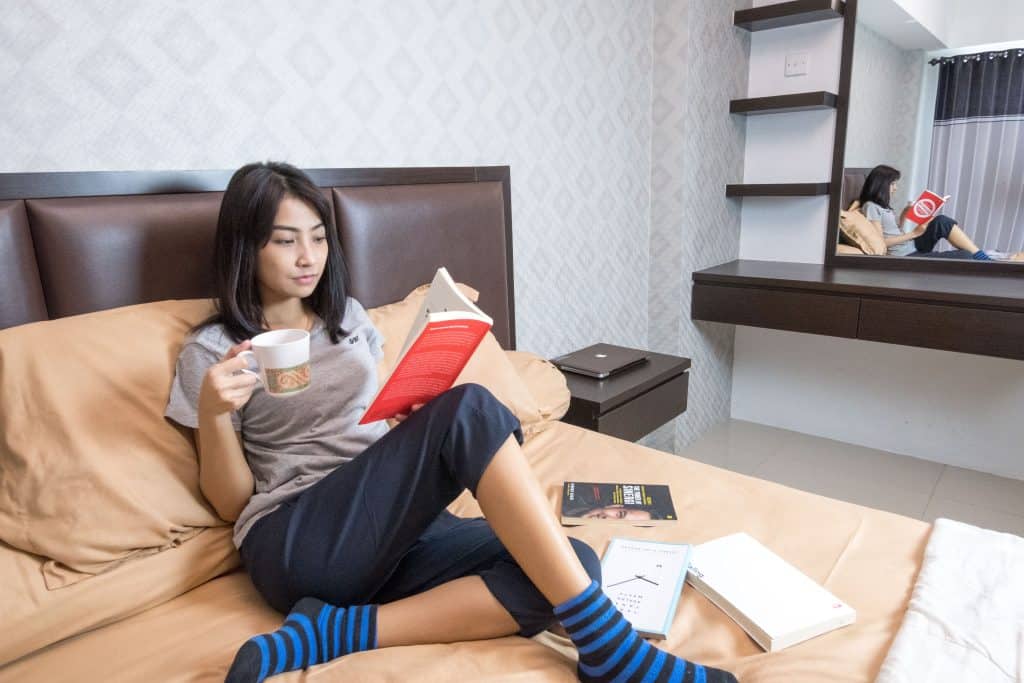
x=635, y=504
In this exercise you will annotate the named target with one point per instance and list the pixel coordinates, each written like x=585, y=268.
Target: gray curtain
x=978, y=146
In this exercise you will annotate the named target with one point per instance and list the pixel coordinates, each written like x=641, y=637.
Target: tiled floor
x=879, y=479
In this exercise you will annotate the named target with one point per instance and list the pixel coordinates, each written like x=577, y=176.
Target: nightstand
x=632, y=403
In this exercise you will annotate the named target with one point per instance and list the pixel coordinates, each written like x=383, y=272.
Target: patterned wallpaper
x=563, y=92
x=885, y=87
x=700, y=63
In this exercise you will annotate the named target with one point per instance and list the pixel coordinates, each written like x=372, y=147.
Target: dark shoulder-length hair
x=244, y=226
x=877, y=186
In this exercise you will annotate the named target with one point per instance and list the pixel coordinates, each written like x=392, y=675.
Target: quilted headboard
x=73, y=243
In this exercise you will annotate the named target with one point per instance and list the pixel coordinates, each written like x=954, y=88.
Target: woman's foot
x=611, y=650
x=314, y=632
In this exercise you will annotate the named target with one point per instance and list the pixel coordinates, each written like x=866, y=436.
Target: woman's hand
x=225, y=389
x=399, y=417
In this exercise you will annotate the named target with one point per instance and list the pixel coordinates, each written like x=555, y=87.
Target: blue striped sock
x=610, y=650
x=980, y=255
x=314, y=632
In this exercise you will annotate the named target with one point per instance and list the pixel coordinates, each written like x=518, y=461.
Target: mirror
x=935, y=132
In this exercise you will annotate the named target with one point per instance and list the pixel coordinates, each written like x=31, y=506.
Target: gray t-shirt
x=887, y=217
x=291, y=443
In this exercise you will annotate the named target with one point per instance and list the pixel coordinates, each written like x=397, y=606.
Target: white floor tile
x=982, y=489
x=823, y=480
x=974, y=514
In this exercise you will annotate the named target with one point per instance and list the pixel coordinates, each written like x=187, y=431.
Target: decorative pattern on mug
x=288, y=380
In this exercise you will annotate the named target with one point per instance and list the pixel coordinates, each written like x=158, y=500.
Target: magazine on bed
x=773, y=601
x=447, y=330
x=926, y=206
x=635, y=504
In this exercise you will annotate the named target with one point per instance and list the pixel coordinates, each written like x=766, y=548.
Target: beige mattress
x=867, y=557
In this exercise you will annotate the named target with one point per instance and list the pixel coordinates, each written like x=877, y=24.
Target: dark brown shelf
x=779, y=104
x=788, y=14
x=777, y=190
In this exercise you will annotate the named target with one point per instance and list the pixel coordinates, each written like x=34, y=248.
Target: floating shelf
x=777, y=190
x=788, y=14
x=778, y=104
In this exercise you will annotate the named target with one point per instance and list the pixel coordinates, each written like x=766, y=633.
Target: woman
x=344, y=526
x=921, y=240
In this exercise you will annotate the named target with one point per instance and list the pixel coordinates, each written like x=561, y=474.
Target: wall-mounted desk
x=978, y=314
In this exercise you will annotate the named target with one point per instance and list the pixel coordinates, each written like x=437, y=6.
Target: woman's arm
x=224, y=475
x=891, y=240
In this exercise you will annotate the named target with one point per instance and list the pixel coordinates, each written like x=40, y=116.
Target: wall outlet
x=796, y=63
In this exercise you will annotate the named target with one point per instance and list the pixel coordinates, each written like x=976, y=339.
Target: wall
x=696, y=149
x=562, y=92
x=948, y=407
x=886, y=87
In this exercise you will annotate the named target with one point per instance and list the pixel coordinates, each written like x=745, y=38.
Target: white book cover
x=644, y=579
x=769, y=598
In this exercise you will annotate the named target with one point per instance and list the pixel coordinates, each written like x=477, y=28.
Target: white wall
x=947, y=407
x=885, y=87
x=787, y=147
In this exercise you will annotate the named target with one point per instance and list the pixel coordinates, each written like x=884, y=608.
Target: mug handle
x=247, y=370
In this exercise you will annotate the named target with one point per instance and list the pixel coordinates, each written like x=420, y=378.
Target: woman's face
x=617, y=512
x=292, y=262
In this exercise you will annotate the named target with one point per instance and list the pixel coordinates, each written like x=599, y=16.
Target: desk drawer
x=779, y=309
x=648, y=411
x=949, y=328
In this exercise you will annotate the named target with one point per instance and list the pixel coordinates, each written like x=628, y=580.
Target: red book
x=926, y=206
x=447, y=330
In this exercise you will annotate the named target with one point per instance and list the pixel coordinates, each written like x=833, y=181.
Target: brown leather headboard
x=73, y=243
x=853, y=183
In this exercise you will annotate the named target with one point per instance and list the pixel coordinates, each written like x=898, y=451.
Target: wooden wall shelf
x=980, y=314
x=779, y=104
x=788, y=14
x=777, y=190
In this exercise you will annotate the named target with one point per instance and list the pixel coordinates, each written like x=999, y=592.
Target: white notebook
x=769, y=598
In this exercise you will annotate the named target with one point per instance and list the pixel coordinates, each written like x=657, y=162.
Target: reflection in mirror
x=934, y=160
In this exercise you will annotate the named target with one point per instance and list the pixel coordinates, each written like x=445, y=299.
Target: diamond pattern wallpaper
x=612, y=115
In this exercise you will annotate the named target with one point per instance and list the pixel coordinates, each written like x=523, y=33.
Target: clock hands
x=633, y=578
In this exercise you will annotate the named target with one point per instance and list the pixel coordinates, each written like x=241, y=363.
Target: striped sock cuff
x=568, y=605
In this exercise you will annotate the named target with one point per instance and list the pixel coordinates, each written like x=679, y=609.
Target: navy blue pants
x=938, y=229
x=376, y=530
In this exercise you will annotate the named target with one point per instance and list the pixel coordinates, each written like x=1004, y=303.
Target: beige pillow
x=547, y=385
x=91, y=474
x=848, y=249
x=861, y=232
x=488, y=366
x=34, y=616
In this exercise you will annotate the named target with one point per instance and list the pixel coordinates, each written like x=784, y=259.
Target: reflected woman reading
x=920, y=240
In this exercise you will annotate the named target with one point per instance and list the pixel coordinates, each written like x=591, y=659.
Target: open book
x=926, y=206
x=446, y=331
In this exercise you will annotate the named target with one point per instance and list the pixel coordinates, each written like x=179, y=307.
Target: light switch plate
x=796, y=63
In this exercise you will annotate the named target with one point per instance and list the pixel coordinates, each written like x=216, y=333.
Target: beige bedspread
x=867, y=557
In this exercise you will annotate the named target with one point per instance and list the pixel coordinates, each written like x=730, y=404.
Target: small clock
x=644, y=580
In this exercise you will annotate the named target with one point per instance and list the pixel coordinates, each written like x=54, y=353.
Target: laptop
x=600, y=360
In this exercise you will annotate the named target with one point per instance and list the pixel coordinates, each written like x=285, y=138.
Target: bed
x=86, y=256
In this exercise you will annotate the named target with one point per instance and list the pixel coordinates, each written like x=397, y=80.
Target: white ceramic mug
x=283, y=360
